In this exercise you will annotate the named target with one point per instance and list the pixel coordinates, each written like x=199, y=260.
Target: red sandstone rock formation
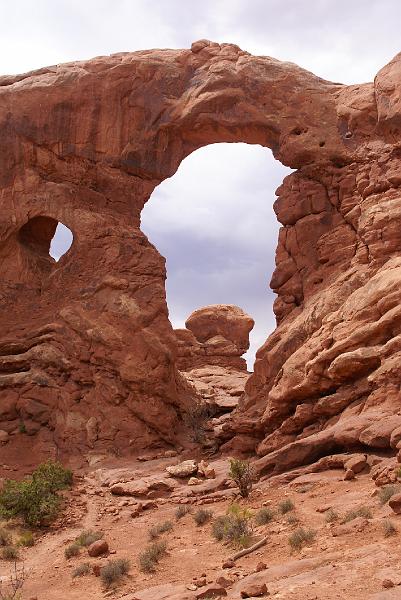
x=214, y=335
x=86, y=347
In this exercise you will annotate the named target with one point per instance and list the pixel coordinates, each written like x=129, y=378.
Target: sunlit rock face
x=88, y=357
x=214, y=335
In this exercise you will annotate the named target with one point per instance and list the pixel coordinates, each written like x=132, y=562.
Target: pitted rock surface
x=88, y=357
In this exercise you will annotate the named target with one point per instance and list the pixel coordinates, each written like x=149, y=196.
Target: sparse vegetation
x=114, y=570
x=26, y=539
x=196, y=418
x=22, y=427
x=35, y=498
x=300, y=537
x=86, y=538
x=202, y=516
x=72, y=550
x=10, y=553
x=12, y=589
x=385, y=493
x=157, y=530
x=264, y=516
x=362, y=511
x=241, y=472
x=152, y=554
x=181, y=511
x=286, y=506
x=303, y=489
x=331, y=516
x=5, y=537
x=234, y=527
x=389, y=528
x=292, y=519
x=81, y=570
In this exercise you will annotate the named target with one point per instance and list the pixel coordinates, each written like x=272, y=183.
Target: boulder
x=98, y=548
x=395, y=503
x=254, y=590
x=183, y=469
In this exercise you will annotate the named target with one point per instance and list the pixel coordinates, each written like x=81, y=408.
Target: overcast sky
x=213, y=220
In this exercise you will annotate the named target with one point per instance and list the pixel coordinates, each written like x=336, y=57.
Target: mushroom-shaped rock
x=226, y=320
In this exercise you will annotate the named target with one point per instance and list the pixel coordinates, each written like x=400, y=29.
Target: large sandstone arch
x=86, y=348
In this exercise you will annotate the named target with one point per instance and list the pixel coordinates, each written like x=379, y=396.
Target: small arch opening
x=46, y=237
x=61, y=242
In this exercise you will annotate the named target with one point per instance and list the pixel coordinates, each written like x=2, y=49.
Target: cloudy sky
x=213, y=220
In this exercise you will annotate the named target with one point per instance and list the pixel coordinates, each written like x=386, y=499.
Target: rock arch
x=88, y=142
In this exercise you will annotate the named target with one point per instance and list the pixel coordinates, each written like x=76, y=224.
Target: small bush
x=300, y=537
x=16, y=581
x=181, y=511
x=286, y=506
x=114, y=570
x=292, y=520
x=331, y=516
x=22, y=427
x=81, y=570
x=202, y=516
x=72, y=550
x=5, y=537
x=385, y=493
x=35, y=498
x=241, y=472
x=362, y=511
x=149, y=558
x=157, y=530
x=196, y=419
x=10, y=553
x=86, y=538
x=26, y=539
x=234, y=527
x=389, y=528
x=264, y=516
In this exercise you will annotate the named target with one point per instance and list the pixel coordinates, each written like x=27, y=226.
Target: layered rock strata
x=86, y=348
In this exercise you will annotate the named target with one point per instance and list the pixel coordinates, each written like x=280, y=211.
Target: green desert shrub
x=300, y=537
x=5, y=537
x=202, y=516
x=157, y=530
x=331, y=516
x=386, y=492
x=196, y=419
x=389, y=528
x=26, y=539
x=114, y=570
x=234, y=527
x=362, y=511
x=86, y=538
x=181, y=511
x=9, y=553
x=72, y=550
x=152, y=554
x=292, y=519
x=286, y=506
x=81, y=570
x=35, y=498
x=264, y=516
x=241, y=473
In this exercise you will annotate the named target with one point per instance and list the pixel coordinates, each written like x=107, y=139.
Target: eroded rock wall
x=86, y=348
